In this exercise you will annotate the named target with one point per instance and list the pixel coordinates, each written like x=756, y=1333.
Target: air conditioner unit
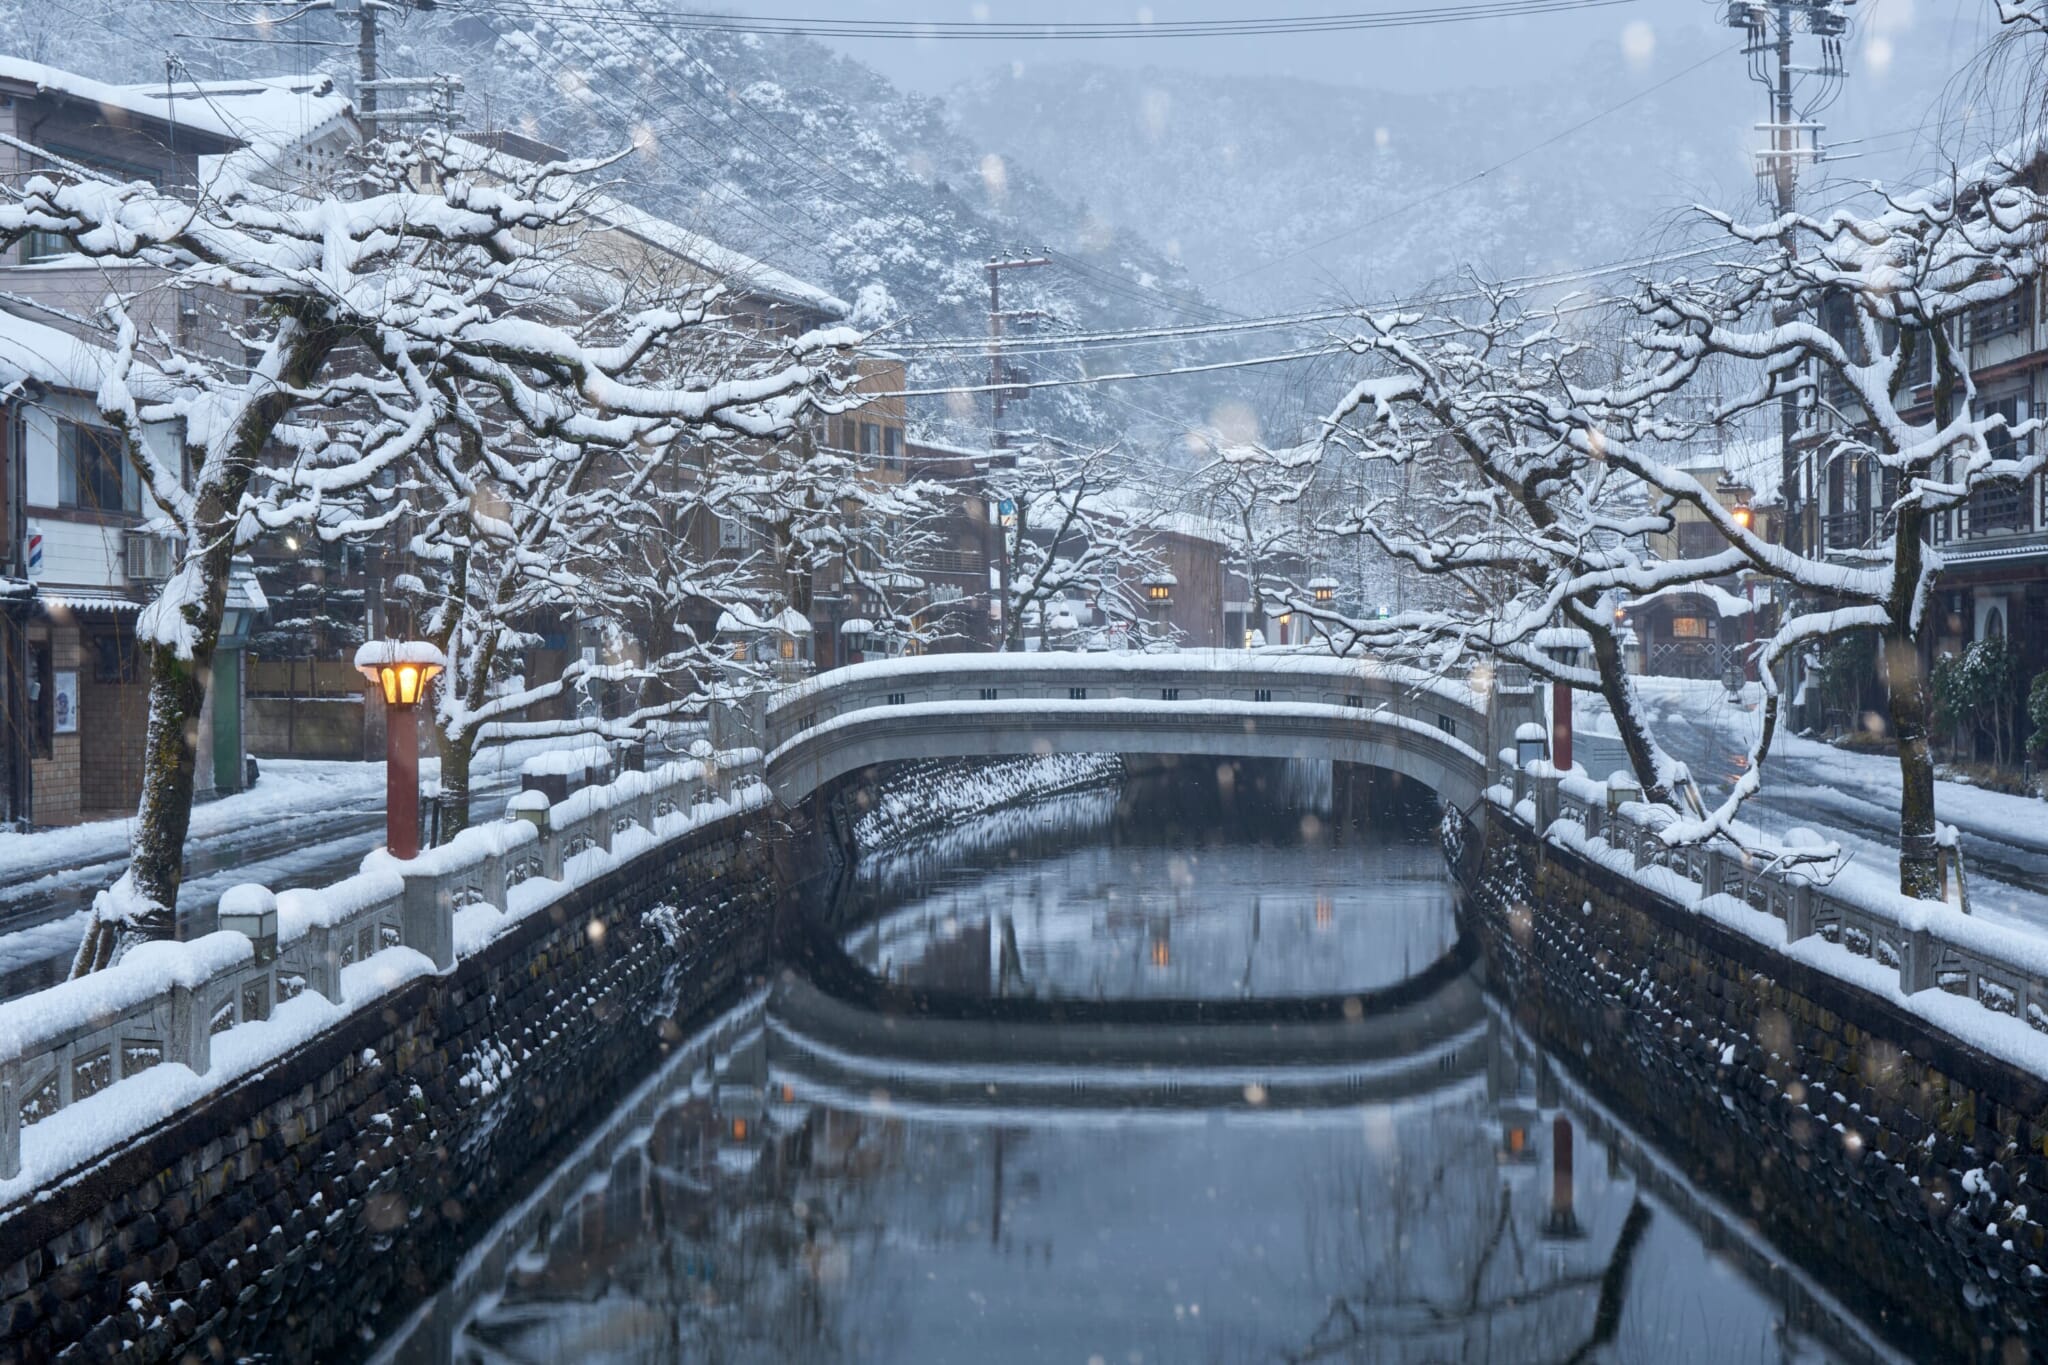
x=147, y=558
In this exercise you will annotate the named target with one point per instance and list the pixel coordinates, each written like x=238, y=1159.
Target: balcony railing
x=1849, y=530
x=1998, y=509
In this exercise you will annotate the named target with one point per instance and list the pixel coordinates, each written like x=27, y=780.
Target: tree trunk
x=457, y=753
x=1919, y=863
x=142, y=905
x=1619, y=693
x=1911, y=709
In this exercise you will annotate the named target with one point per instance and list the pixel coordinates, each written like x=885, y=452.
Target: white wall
x=75, y=554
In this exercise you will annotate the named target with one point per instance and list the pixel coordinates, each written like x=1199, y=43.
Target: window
x=93, y=471
x=1262, y=694
x=892, y=447
x=1169, y=694
x=1354, y=699
x=870, y=438
x=732, y=533
x=988, y=694
x=1447, y=725
x=895, y=699
x=2003, y=317
x=44, y=246
x=1077, y=694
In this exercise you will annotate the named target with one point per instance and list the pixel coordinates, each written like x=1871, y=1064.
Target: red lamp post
x=401, y=669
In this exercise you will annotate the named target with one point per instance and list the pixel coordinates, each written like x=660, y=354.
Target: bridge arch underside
x=816, y=758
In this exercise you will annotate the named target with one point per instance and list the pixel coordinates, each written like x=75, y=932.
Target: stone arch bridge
x=1225, y=703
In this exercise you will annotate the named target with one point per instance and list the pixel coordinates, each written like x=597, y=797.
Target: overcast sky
x=1927, y=36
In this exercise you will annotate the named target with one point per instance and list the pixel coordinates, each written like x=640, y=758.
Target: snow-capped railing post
x=1918, y=953
x=493, y=876
x=1714, y=873
x=250, y=909
x=1546, y=785
x=1798, y=910
x=191, y=1040
x=322, y=959
x=10, y=1120
x=427, y=916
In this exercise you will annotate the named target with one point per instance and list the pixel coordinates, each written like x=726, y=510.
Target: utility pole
x=442, y=91
x=1004, y=382
x=1794, y=137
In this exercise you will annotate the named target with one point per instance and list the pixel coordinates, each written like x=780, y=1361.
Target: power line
x=1477, y=176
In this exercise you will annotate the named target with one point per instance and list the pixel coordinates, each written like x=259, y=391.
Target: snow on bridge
x=1223, y=703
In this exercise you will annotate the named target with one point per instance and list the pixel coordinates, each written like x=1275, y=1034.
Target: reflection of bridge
x=1223, y=703
x=1128, y=1055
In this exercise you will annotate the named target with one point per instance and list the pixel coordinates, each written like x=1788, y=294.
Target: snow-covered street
x=1847, y=796
x=306, y=822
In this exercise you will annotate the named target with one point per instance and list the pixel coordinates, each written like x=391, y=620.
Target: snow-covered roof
x=717, y=260
x=126, y=99
x=740, y=619
x=266, y=113
x=39, y=353
x=857, y=625
x=721, y=262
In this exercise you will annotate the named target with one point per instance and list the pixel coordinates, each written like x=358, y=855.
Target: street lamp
x=401, y=669
x=854, y=634
x=1325, y=589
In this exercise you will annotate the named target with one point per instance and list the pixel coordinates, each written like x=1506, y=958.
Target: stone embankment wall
x=299, y=1210
x=1856, y=1137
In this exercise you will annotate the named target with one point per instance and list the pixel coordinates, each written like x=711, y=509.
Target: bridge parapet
x=1223, y=703
x=1246, y=677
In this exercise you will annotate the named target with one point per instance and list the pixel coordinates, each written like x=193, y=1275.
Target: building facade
x=81, y=555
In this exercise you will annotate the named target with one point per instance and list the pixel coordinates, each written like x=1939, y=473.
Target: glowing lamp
x=1325, y=589
x=401, y=670
x=1742, y=516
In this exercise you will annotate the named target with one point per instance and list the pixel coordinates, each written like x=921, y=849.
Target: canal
x=1193, y=1070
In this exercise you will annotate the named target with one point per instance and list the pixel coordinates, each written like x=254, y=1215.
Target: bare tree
x=1070, y=532
x=364, y=306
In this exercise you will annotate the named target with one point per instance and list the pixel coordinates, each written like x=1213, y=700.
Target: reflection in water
x=760, y=1213
x=1136, y=898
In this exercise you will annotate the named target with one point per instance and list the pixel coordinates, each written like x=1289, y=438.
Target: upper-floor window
x=93, y=472
x=870, y=438
x=892, y=447
x=2003, y=317
x=732, y=533
x=44, y=246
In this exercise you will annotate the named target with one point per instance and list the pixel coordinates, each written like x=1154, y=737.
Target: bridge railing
x=166, y=1002
x=1932, y=945
x=1229, y=676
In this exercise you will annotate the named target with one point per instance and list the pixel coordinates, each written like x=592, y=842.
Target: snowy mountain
x=1161, y=195
x=1238, y=177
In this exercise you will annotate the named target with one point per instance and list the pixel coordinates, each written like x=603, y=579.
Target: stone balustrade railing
x=1208, y=676
x=1932, y=945
x=166, y=1002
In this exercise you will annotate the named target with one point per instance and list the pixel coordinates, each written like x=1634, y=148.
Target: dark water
x=808, y=1181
